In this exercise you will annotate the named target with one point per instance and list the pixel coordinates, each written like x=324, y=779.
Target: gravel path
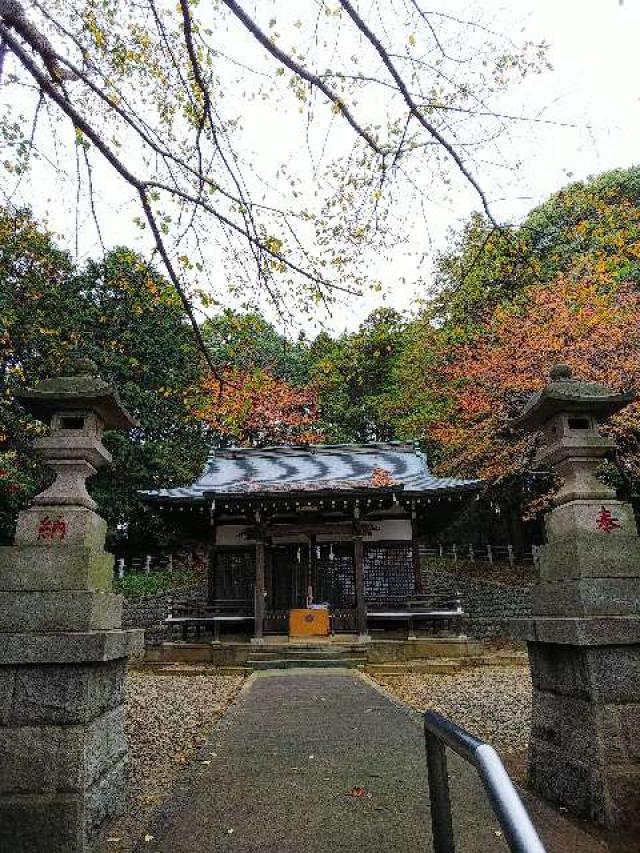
x=492, y=702
x=168, y=718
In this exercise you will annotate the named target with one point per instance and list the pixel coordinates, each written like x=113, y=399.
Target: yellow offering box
x=311, y=622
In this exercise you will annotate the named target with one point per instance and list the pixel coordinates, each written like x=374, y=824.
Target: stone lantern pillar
x=63, y=653
x=584, y=637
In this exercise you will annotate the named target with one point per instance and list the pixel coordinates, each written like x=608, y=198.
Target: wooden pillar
x=415, y=551
x=258, y=634
x=311, y=568
x=213, y=555
x=358, y=560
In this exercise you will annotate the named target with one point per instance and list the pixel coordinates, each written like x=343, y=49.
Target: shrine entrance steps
x=307, y=656
x=240, y=653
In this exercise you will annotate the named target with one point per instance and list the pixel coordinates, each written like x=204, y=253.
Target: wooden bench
x=441, y=610
x=188, y=614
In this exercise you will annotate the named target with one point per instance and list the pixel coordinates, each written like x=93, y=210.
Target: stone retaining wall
x=148, y=612
x=491, y=595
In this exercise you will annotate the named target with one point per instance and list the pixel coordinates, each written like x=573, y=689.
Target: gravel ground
x=168, y=718
x=492, y=702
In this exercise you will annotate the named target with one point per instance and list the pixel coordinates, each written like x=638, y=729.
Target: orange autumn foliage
x=581, y=319
x=256, y=409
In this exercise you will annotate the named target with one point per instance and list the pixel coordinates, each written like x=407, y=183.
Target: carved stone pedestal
x=584, y=751
x=63, y=654
x=584, y=638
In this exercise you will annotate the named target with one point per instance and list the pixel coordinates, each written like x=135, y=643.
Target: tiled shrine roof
x=313, y=468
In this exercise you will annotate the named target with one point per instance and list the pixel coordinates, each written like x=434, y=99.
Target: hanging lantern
x=298, y=555
x=331, y=552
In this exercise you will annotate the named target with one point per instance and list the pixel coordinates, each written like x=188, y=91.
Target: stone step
x=321, y=654
x=438, y=667
x=192, y=670
x=304, y=663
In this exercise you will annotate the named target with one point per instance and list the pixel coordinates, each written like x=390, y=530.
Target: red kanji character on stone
x=59, y=528
x=606, y=521
x=49, y=529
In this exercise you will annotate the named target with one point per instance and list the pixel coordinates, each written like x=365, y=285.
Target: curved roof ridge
x=338, y=467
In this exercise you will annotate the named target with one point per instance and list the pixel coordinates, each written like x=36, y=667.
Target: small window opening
x=72, y=423
x=578, y=423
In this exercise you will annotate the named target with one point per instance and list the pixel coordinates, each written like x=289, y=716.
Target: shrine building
x=295, y=527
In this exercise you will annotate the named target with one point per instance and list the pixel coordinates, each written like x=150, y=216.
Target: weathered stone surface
x=81, y=527
x=39, y=568
x=43, y=824
x=67, y=610
x=7, y=677
x=105, y=798
x=55, y=759
x=614, y=673
x=590, y=555
x=65, y=694
x=603, y=674
x=623, y=793
x=587, y=597
x=582, y=515
x=70, y=647
x=562, y=780
x=586, y=631
x=571, y=727
x=105, y=744
x=629, y=717
x=38, y=760
x=559, y=669
x=69, y=487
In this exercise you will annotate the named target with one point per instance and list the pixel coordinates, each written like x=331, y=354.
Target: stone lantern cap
x=563, y=393
x=80, y=389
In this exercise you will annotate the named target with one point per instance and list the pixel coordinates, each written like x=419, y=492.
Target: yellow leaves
x=337, y=107
x=48, y=332
x=274, y=245
x=412, y=40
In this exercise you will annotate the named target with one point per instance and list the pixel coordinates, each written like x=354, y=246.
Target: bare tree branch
x=430, y=128
x=304, y=73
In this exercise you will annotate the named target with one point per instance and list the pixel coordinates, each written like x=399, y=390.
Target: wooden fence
x=481, y=553
x=159, y=563
x=451, y=552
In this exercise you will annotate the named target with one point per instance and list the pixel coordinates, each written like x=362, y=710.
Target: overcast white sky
x=594, y=85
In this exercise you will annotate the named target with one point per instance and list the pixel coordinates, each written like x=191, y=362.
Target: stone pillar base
x=584, y=751
x=62, y=737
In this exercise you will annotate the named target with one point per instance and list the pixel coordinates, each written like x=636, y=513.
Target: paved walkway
x=283, y=760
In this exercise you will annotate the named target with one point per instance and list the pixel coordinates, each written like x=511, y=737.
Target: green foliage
x=353, y=375
x=39, y=299
x=124, y=316
x=247, y=342
x=136, y=586
x=486, y=266
x=140, y=341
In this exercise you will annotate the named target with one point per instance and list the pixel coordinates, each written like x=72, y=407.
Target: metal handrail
x=511, y=814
